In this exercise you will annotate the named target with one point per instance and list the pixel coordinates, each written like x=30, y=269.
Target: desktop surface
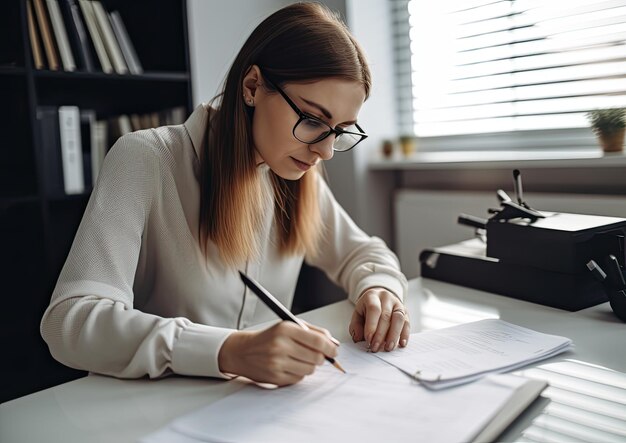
x=586, y=399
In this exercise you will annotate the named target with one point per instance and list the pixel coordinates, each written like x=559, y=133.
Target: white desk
x=574, y=408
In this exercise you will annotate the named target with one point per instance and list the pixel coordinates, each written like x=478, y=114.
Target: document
x=373, y=402
x=451, y=356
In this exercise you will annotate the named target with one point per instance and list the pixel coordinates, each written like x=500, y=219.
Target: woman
x=151, y=286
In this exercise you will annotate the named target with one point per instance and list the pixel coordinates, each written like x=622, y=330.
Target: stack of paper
x=452, y=356
x=373, y=402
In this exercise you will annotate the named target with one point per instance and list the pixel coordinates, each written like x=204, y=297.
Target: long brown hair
x=301, y=42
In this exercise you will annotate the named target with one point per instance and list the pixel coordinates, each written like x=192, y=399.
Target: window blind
x=489, y=66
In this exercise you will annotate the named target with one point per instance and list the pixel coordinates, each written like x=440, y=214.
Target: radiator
x=425, y=219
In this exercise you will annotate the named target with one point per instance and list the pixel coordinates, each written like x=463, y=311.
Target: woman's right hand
x=282, y=354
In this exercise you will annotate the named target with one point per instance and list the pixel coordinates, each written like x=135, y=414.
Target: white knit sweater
x=136, y=296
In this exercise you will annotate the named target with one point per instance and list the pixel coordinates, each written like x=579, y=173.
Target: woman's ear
x=250, y=85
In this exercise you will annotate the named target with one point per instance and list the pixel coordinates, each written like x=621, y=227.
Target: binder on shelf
x=88, y=143
x=33, y=36
x=78, y=38
x=52, y=166
x=89, y=15
x=71, y=150
x=128, y=50
x=67, y=58
x=98, y=148
x=90, y=150
x=46, y=35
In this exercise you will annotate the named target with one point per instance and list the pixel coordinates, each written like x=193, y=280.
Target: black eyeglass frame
x=304, y=116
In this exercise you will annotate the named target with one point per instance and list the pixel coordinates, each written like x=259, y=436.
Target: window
x=507, y=74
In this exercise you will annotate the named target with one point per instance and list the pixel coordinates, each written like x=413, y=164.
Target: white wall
x=365, y=194
x=217, y=30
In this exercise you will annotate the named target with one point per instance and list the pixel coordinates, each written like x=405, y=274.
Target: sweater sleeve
x=351, y=258
x=91, y=323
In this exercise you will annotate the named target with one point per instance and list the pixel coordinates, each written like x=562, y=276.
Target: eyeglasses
x=310, y=130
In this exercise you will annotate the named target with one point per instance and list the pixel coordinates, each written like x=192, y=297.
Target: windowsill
x=592, y=158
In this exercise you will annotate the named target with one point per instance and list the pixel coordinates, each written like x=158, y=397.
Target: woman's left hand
x=381, y=320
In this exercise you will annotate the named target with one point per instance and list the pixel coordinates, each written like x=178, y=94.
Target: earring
x=249, y=101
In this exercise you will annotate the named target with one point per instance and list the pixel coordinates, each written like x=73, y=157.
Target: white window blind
x=488, y=66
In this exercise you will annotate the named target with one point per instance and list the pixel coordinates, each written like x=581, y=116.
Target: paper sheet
x=459, y=354
x=372, y=403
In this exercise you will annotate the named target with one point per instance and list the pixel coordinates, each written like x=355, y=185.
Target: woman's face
x=334, y=101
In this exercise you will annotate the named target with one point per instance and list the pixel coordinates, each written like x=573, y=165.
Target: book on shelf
x=60, y=34
x=78, y=38
x=124, y=125
x=135, y=122
x=110, y=42
x=98, y=42
x=175, y=116
x=154, y=120
x=128, y=50
x=46, y=34
x=33, y=36
x=120, y=125
x=71, y=150
x=146, y=121
x=80, y=34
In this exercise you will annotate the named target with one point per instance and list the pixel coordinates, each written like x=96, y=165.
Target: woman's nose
x=324, y=148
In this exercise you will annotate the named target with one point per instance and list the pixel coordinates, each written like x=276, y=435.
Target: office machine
x=567, y=261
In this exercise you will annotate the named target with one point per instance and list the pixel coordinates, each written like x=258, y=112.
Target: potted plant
x=408, y=144
x=608, y=125
x=387, y=148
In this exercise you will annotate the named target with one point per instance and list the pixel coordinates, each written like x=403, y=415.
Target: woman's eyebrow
x=324, y=111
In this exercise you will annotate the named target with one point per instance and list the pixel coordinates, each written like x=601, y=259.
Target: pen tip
x=338, y=366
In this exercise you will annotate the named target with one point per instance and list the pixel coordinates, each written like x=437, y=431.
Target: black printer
x=555, y=259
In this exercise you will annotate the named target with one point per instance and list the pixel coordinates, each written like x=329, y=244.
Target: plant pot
x=408, y=145
x=613, y=142
x=387, y=149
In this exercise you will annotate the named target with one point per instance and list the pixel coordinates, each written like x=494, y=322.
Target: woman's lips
x=301, y=165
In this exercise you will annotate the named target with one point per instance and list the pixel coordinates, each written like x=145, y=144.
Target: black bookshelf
x=36, y=230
